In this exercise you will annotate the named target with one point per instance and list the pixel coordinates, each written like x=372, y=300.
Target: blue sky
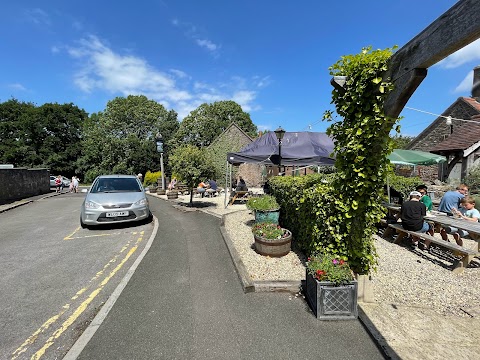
x=271, y=57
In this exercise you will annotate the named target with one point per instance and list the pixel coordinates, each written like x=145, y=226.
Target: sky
x=271, y=57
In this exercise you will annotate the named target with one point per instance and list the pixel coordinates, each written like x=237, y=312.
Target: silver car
x=114, y=199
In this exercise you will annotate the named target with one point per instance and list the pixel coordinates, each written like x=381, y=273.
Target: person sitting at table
x=211, y=187
x=396, y=197
x=201, y=188
x=412, y=213
x=172, y=184
x=241, y=185
x=466, y=211
x=422, y=189
x=451, y=199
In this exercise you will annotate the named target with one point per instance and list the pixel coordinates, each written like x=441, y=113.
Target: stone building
x=453, y=138
x=231, y=140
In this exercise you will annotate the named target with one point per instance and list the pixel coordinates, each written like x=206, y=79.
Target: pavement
x=181, y=299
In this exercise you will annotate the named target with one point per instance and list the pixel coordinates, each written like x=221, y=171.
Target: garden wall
x=16, y=184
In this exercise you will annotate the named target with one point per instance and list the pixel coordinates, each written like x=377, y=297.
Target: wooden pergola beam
x=456, y=28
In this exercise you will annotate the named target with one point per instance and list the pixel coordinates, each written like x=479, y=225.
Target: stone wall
x=16, y=184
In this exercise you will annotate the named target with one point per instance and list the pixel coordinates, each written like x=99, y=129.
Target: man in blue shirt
x=451, y=199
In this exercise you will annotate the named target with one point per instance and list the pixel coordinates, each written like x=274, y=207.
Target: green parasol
x=413, y=158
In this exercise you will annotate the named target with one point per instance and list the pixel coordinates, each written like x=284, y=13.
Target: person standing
x=75, y=184
x=58, y=183
x=451, y=199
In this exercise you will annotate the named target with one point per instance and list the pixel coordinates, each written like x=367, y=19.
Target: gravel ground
x=403, y=276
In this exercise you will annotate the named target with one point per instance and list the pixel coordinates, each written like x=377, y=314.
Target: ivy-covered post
x=362, y=143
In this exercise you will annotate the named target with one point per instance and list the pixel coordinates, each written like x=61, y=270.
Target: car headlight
x=141, y=202
x=91, y=205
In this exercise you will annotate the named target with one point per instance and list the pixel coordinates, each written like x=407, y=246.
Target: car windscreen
x=115, y=185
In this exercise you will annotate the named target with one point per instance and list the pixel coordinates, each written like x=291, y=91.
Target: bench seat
x=466, y=255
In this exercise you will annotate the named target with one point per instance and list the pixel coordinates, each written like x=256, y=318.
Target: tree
x=46, y=136
x=401, y=141
x=122, y=138
x=192, y=166
x=208, y=121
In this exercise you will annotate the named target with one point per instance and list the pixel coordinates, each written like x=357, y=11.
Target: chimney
x=476, y=83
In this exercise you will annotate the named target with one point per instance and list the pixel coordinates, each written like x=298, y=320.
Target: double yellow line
x=81, y=308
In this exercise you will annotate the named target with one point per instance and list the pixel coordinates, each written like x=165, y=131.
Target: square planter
x=330, y=302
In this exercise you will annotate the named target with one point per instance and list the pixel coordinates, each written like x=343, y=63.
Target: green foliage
x=269, y=231
x=305, y=203
x=192, y=166
x=122, y=138
x=403, y=184
x=151, y=178
x=472, y=180
x=362, y=143
x=327, y=267
x=45, y=136
x=264, y=202
x=401, y=141
x=208, y=121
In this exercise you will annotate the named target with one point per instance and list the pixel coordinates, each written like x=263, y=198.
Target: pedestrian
x=70, y=188
x=75, y=184
x=58, y=183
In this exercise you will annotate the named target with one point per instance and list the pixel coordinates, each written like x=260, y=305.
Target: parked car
x=65, y=181
x=114, y=199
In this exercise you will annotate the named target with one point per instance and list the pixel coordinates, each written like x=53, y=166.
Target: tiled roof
x=473, y=102
x=465, y=135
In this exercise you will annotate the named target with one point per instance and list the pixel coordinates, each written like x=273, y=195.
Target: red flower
x=342, y=262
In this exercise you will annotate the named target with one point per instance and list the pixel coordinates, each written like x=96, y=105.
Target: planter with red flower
x=271, y=239
x=331, y=289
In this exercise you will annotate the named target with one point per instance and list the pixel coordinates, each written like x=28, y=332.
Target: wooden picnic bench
x=240, y=195
x=466, y=255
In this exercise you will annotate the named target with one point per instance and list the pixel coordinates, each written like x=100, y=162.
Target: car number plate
x=117, y=213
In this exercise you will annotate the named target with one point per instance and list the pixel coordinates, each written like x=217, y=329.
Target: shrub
x=264, y=202
x=472, y=180
x=151, y=178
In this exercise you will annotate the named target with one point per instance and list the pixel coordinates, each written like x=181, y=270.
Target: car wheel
x=82, y=224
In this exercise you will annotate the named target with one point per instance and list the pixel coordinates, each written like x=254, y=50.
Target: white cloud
x=192, y=32
x=38, y=16
x=102, y=69
x=179, y=73
x=55, y=49
x=245, y=99
x=17, y=87
x=467, y=54
x=207, y=44
x=466, y=85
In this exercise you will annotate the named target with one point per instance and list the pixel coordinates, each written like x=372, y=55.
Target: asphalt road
x=185, y=301
x=55, y=275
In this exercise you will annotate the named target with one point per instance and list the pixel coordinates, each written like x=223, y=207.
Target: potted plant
x=271, y=239
x=265, y=208
x=331, y=288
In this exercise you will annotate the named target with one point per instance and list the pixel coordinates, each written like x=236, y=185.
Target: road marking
x=68, y=237
x=72, y=237
x=81, y=308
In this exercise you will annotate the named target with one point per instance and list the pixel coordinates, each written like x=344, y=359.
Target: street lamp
x=159, y=143
x=279, y=133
